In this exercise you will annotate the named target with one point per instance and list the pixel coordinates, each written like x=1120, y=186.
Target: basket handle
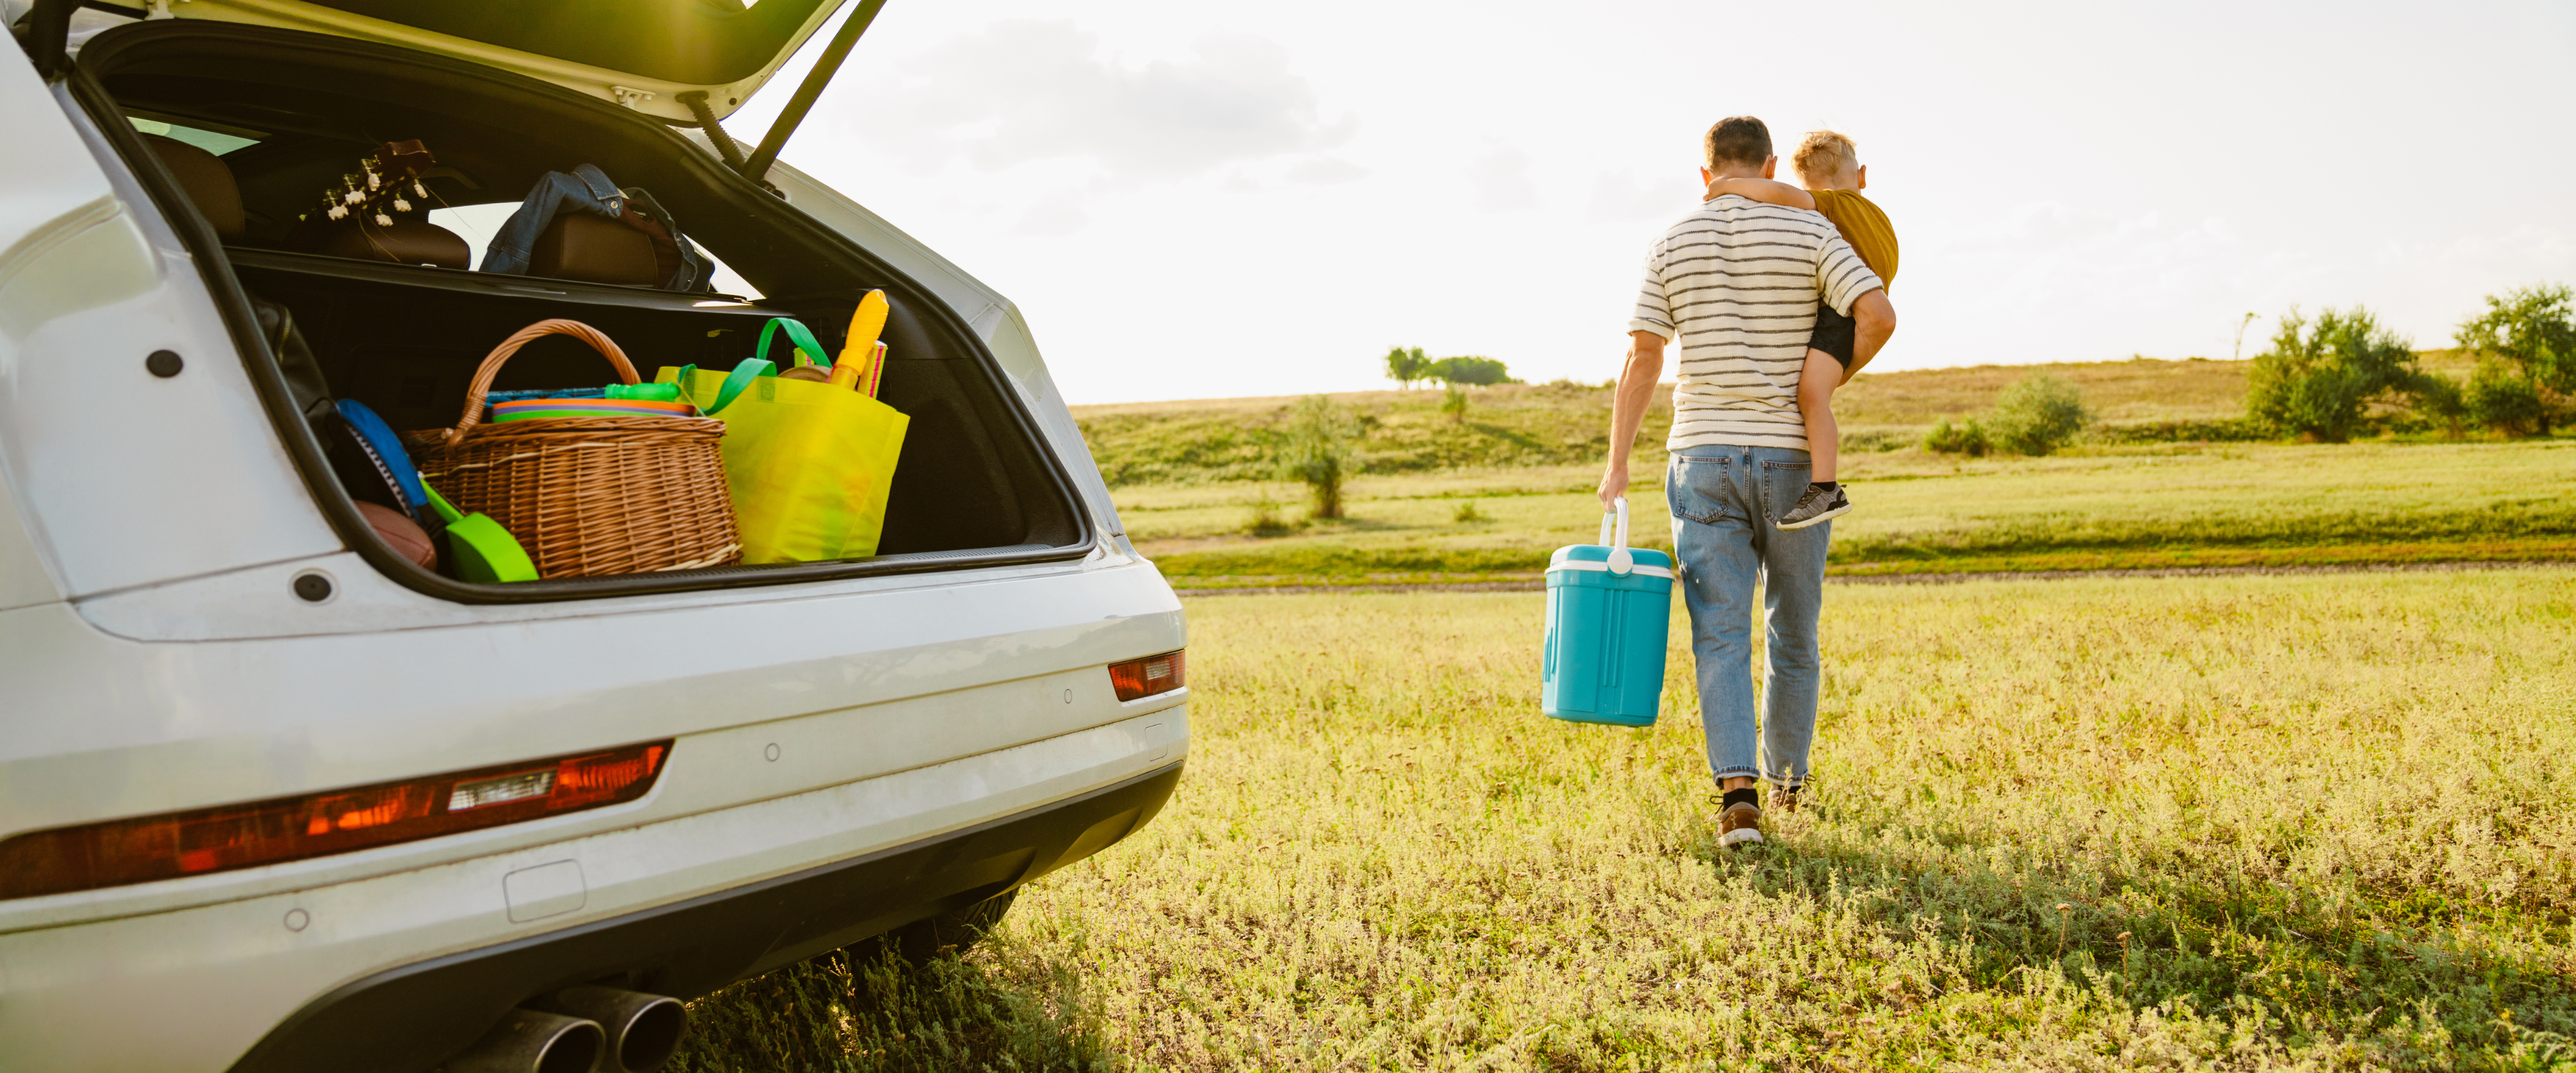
x=491, y=368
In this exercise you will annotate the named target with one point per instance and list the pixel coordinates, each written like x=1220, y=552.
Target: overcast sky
x=1195, y=200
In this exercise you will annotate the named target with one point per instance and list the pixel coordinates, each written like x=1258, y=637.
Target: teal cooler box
x=1609, y=608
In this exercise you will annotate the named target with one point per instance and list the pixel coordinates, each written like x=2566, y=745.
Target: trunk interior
x=405, y=339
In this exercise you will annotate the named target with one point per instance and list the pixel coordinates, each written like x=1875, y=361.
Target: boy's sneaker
x=1816, y=506
x=1739, y=825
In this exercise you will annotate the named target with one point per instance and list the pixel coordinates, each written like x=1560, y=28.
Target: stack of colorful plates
x=534, y=409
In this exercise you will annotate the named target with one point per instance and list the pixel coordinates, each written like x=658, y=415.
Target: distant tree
x=2038, y=414
x=2315, y=383
x=2505, y=399
x=1470, y=370
x=2533, y=332
x=1408, y=366
x=1317, y=449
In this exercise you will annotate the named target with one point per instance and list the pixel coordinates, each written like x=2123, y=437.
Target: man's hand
x=1628, y=409
x=1614, y=483
x=1873, y=321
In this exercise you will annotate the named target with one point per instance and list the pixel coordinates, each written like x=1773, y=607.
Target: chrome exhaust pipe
x=533, y=1041
x=643, y=1031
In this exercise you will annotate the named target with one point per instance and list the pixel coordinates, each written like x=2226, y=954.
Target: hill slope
x=1515, y=426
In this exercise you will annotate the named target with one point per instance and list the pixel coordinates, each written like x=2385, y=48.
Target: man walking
x=1736, y=283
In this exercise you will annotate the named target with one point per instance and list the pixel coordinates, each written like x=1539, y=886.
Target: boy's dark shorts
x=1833, y=334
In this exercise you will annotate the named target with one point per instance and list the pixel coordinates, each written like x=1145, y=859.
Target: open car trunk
x=975, y=484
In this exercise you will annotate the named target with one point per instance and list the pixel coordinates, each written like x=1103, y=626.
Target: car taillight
x=196, y=842
x=1146, y=677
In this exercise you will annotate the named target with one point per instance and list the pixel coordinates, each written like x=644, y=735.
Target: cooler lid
x=1596, y=557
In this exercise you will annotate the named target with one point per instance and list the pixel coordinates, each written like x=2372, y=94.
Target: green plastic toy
x=484, y=551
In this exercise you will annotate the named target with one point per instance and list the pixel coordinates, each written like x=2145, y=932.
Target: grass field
x=2320, y=822
x=2168, y=505
x=2165, y=478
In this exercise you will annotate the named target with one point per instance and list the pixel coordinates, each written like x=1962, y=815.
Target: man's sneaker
x=1784, y=799
x=1740, y=824
x=1816, y=506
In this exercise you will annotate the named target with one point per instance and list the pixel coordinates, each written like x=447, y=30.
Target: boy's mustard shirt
x=1864, y=227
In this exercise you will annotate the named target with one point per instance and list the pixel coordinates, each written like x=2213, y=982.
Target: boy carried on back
x=1830, y=167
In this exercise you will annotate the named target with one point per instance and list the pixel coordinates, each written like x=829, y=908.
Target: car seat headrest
x=206, y=178
x=581, y=246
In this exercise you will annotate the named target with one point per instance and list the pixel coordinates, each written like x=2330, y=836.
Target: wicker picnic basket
x=587, y=496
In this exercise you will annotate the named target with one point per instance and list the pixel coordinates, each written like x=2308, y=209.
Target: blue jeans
x=1724, y=501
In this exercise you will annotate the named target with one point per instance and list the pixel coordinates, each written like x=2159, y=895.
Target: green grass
x=2318, y=822
x=2158, y=506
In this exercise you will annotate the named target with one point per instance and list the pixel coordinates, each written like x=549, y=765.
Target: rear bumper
x=406, y=1018
x=396, y=971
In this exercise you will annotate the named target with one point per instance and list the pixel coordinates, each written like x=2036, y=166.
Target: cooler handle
x=1620, y=561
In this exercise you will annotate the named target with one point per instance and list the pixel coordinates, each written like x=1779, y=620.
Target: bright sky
x=1206, y=200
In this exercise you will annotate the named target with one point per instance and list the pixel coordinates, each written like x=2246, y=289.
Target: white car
x=273, y=796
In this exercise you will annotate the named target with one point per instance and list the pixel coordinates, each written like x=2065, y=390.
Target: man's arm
x=1628, y=408
x=1767, y=191
x=1873, y=320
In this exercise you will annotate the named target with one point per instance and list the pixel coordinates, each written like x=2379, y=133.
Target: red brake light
x=1146, y=677
x=143, y=849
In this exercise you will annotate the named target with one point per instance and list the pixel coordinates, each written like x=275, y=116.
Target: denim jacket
x=586, y=189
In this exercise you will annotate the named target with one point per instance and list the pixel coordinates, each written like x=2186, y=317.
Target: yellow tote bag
x=809, y=463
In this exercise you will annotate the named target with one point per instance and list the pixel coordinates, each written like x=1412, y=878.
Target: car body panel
x=116, y=471
x=193, y=989
x=98, y=728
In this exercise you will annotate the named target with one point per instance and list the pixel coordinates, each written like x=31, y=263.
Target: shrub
x=1966, y=439
x=2440, y=400
x=1467, y=512
x=2532, y=330
x=1265, y=519
x=2503, y=399
x=1455, y=405
x=2038, y=414
x=1316, y=449
x=2315, y=383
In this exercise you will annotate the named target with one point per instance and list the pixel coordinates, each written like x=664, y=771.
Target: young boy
x=1830, y=166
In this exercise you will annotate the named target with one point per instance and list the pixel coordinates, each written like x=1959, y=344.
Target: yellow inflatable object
x=859, y=352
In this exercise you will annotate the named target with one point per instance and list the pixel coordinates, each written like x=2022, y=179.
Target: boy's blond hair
x=1823, y=153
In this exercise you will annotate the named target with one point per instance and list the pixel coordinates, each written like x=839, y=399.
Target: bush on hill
x=2318, y=383
x=2505, y=400
x=2527, y=342
x=1316, y=449
x=1964, y=439
x=2037, y=415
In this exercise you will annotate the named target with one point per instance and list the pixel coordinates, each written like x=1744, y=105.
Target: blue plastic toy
x=1609, y=607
